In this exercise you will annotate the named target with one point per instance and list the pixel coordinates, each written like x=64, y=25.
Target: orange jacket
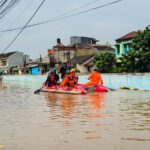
x=65, y=81
x=95, y=79
x=69, y=80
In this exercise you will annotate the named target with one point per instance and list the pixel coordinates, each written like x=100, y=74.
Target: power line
x=64, y=17
x=23, y=28
x=17, y=17
x=70, y=11
x=67, y=12
x=58, y=16
x=5, y=6
x=23, y=11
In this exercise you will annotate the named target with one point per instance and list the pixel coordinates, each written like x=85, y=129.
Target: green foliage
x=138, y=59
x=116, y=69
x=104, y=62
x=77, y=70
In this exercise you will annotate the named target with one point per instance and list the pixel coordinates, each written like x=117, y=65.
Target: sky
x=105, y=24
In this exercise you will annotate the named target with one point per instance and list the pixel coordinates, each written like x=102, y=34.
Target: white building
x=12, y=59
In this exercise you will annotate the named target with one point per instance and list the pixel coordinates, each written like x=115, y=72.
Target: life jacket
x=52, y=78
x=72, y=80
x=75, y=78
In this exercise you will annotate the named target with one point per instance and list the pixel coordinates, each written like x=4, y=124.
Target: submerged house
x=123, y=44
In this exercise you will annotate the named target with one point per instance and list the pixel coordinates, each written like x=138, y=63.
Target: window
x=125, y=48
x=118, y=49
x=3, y=62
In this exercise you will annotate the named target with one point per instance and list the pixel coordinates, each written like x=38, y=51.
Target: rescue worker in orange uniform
x=69, y=80
x=95, y=78
x=75, y=76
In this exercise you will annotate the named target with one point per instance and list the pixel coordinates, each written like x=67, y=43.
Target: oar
x=37, y=91
x=111, y=89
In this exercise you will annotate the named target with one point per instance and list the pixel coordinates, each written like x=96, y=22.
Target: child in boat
x=95, y=78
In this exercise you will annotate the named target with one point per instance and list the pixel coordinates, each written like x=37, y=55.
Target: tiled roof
x=81, y=59
x=103, y=47
x=127, y=36
x=5, y=55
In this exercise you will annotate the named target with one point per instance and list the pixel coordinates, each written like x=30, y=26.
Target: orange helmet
x=72, y=70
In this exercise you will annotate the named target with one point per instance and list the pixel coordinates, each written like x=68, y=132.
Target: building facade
x=123, y=44
x=12, y=59
x=82, y=42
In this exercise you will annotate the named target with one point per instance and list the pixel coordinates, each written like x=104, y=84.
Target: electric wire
x=22, y=13
x=23, y=27
x=65, y=13
x=64, y=17
x=5, y=6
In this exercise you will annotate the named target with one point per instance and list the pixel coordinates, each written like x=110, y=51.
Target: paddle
x=111, y=89
x=37, y=91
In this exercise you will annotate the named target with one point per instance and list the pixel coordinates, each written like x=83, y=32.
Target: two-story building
x=78, y=44
x=81, y=41
x=12, y=59
x=123, y=44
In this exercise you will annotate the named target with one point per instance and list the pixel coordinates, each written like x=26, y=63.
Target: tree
x=104, y=62
x=138, y=59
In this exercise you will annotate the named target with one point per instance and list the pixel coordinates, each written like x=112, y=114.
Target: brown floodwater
x=117, y=120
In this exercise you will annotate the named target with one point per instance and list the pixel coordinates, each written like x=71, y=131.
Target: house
x=12, y=59
x=62, y=53
x=78, y=46
x=82, y=42
x=40, y=65
x=123, y=44
x=80, y=53
x=83, y=63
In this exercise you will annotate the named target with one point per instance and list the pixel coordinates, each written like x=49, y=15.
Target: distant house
x=83, y=63
x=12, y=59
x=82, y=42
x=63, y=53
x=80, y=53
x=123, y=44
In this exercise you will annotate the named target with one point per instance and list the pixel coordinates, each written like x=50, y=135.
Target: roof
x=61, y=47
x=5, y=55
x=81, y=59
x=103, y=47
x=128, y=36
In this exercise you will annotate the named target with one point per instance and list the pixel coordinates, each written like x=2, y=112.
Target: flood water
x=117, y=120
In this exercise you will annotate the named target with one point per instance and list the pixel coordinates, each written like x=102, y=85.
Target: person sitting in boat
x=56, y=77
x=52, y=79
x=75, y=76
x=95, y=78
x=69, y=80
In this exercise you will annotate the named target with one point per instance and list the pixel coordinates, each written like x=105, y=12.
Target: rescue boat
x=78, y=89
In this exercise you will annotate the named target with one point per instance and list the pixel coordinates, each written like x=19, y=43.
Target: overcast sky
x=104, y=24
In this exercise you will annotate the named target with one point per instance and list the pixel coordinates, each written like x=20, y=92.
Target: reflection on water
x=117, y=120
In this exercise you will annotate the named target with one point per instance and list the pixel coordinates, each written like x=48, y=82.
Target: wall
x=16, y=59
x=140, y=81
